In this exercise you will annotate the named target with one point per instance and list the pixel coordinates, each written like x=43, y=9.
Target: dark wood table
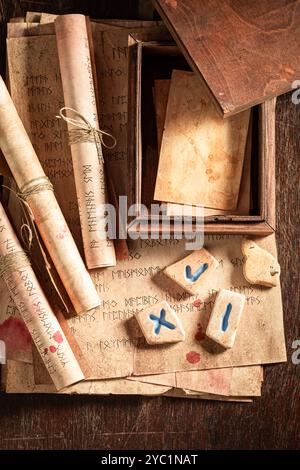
x=95, y=422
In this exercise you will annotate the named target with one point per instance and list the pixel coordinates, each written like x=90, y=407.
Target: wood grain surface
x=79, y=422
x=246, y=52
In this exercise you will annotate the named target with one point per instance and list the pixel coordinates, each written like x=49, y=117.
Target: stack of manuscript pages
x=106, y=352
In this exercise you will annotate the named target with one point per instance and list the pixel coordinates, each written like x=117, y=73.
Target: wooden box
x=154, y=60
x=153, y=57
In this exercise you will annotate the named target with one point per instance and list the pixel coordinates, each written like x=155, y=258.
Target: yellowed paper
x=202, y=155
x=260, y=324
x=185, y=393
x=88, y=165
x=36, y=312
x=17, y=19
x=19, y=378
x=111, y=340
x=37, y=107
x=110, y=337
x=13, y=330
x=232, y=381
x=27, y=171
x=36, y=90
x=33, y=17
x=109, y=23
x=111, y=57
x=244, y=199
x=161, y=93
x=15, y=30
x=107, y=336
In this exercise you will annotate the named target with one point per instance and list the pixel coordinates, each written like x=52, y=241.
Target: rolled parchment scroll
x=38, y=194
x=35, y=310
x=80, y=97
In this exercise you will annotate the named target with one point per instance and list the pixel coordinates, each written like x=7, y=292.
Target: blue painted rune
x=190, y=277
x=161, y=321
x=225, y=317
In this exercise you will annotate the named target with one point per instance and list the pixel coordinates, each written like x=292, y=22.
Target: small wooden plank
x=161, y=94
x=246, y=52
x=267, y=161
x=256, y=228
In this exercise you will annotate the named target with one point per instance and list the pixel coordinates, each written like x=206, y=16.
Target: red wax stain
x=46, y=351
x=14, y=333
x=58, y=337
x=193, y=357
x=52, y=349
x=197, y=303
x=200, y=335
x=62, y=234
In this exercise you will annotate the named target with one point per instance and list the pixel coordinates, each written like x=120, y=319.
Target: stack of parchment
x=106, y=342
x=204, y=159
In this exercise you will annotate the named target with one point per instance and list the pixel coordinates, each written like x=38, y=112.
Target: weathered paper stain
x=15, y=335
x=193, y=357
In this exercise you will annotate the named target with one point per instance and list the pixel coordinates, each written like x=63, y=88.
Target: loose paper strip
x=25, y=167
x=37, y=314
x=234, y=381
x=202, y=155
x=185, y=393
x=231, y=381
x=79, y=94
x=18, y=377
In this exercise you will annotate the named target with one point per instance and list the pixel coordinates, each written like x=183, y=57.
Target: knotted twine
x=32, y=187
x=12, y=262
x=85, y=132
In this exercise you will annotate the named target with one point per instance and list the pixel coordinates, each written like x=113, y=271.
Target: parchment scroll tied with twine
x=85, y=132
x=12, y=262
x=33, y=187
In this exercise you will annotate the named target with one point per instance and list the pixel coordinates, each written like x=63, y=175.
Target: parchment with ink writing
x=75, y=60
x=260, y=337
x=109, y=336
x=35, y=86
x=36, y=312
x=112, y=51
x=13, y=330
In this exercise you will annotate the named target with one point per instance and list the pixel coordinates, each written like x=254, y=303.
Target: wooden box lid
x=246, y=52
